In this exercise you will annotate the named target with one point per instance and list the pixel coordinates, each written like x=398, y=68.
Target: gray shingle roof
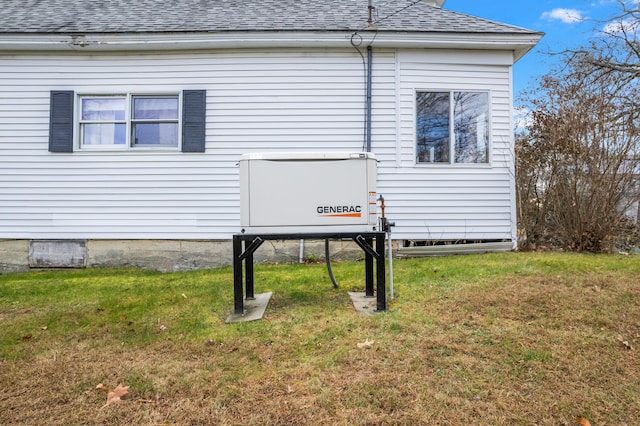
x=152, y=16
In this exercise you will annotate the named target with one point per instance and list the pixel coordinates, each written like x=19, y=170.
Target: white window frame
x=452, y=145
x=128, y=121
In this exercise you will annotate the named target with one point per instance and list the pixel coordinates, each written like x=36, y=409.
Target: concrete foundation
x=161, y=255
x=57, y=254
x=14, y=256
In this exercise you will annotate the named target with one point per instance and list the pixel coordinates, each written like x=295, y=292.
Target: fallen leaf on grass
x=114, y=395
x=583, y=421
x=366, y=344
x=625, y=343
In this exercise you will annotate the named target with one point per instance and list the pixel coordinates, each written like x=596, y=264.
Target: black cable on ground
x=326, y=257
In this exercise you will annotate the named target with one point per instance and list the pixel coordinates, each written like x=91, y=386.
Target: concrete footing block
x=364, y=304
x=253, y=309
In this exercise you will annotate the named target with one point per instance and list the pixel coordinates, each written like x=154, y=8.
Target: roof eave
x=519, y=43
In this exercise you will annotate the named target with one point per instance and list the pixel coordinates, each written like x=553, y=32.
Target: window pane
x=155, y=108
x=104, y=134
x=471, y=126
x=165, y=134
x=432, y=121
x=103, y=109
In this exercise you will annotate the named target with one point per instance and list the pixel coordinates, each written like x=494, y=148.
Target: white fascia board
x=520, y=44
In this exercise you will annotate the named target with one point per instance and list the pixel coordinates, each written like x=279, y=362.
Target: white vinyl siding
x=453, y=202
x=256, y=101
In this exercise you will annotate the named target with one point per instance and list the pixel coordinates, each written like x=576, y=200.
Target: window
x=102, y=121
x=461, y=117
x=129, y=121
x=155, y=121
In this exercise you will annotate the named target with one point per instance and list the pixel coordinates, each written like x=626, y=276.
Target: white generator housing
x=308, y=192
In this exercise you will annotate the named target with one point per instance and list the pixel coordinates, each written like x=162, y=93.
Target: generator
x=308, y=192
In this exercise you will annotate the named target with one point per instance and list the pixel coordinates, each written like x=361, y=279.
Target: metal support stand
x=244, y=245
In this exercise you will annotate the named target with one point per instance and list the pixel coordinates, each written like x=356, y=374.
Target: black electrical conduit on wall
x=367, y=122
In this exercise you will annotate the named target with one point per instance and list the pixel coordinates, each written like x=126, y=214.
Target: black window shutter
x=61, y=121
x=193, y=120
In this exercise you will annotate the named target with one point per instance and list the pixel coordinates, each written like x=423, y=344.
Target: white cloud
x=567, y=16
x=522, y=118
x=628, y=26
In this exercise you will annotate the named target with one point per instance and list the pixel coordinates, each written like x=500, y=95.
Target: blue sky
x=566, y=24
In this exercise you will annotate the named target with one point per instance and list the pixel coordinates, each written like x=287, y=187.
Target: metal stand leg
x=381, y=301
x=248, y=265
x=369, y=271
x=238, y=303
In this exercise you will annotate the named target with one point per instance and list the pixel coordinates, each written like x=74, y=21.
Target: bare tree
x=576, y=164
x=616, y=47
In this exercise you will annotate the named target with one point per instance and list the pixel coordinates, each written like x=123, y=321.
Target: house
x=121, y=127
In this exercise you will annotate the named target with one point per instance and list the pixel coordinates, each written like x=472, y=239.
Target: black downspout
x=368, y=106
